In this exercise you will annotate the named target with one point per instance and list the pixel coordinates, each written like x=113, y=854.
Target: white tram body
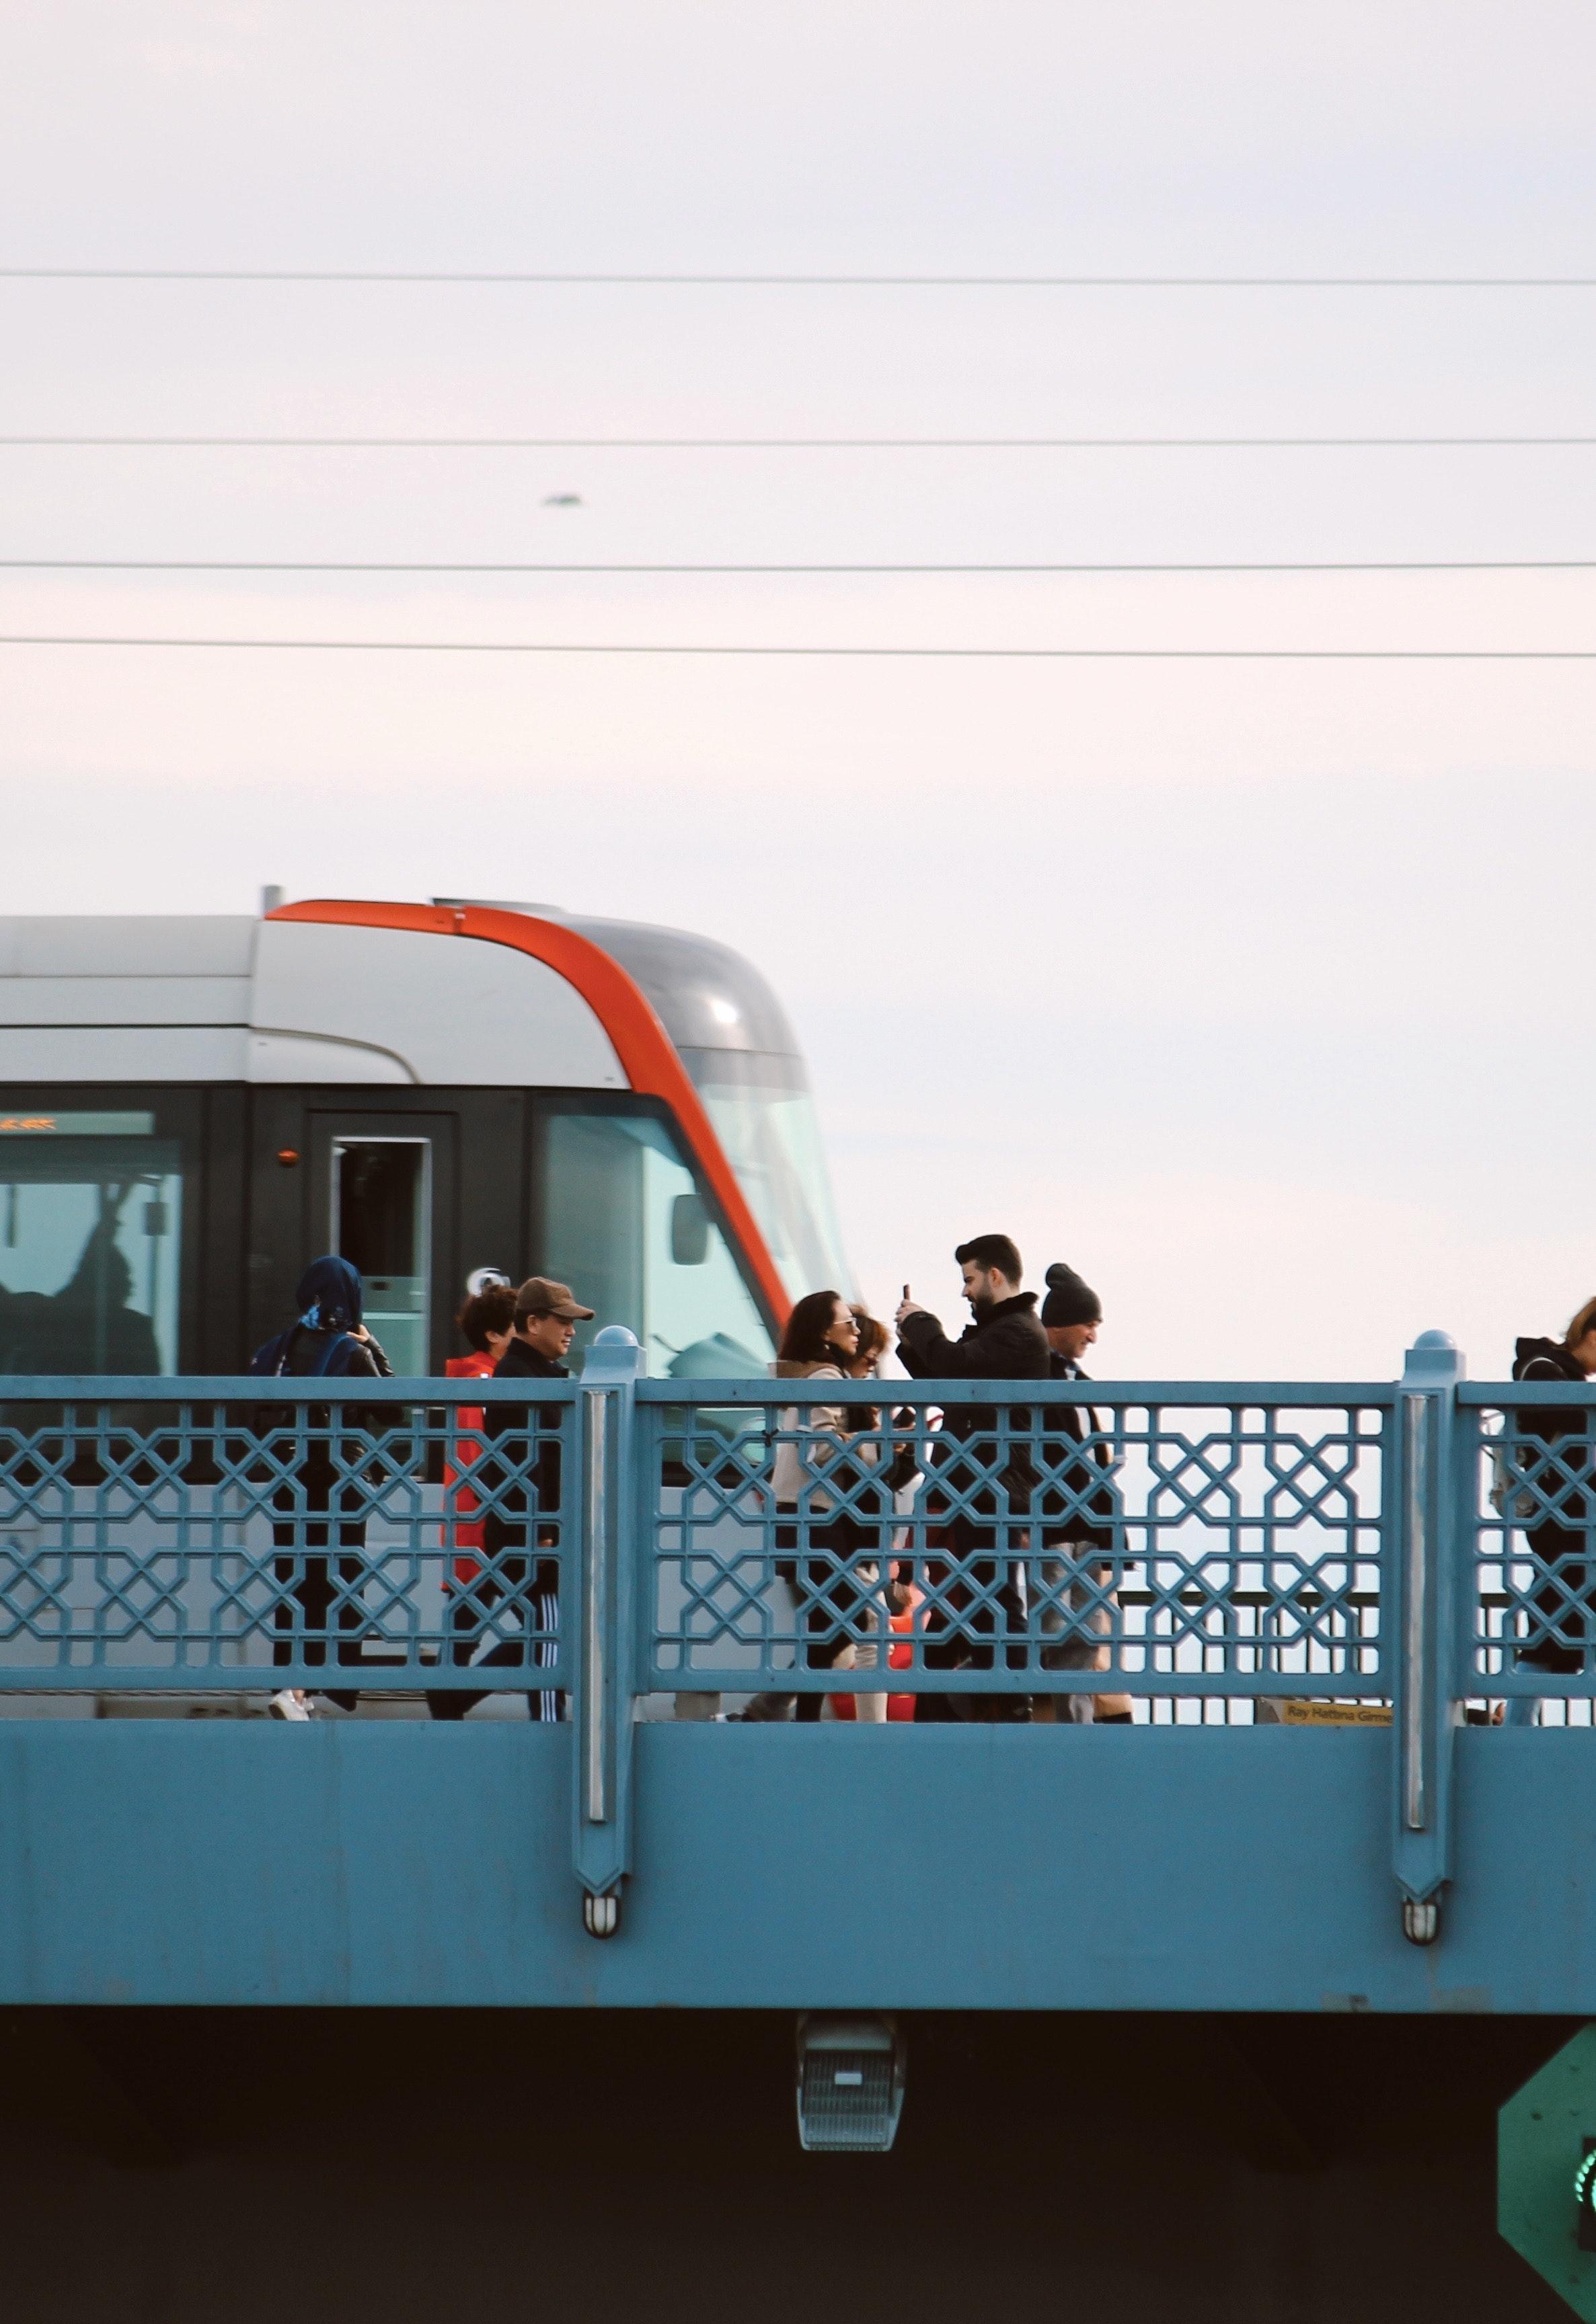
x=191, y=1107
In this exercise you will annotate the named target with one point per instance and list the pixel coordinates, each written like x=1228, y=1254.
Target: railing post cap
x=614, y=1353
x=1434, y=1355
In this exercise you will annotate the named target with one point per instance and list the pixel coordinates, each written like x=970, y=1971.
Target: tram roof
x=184, y=971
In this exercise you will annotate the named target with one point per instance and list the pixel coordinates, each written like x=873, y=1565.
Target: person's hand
x=906, y=1307
x=358, y=1331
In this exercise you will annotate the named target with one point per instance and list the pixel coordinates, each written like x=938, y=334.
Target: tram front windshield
x=90, y=1222
x=764, y=1117
x=618, y=1213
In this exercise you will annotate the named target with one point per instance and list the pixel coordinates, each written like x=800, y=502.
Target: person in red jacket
x=486, y=1322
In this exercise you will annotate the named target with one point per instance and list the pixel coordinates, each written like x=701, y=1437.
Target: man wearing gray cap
x=545, y=1319
x=1075, y=1573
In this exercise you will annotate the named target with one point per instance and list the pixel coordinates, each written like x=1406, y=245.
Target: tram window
x=382, y=1210
x=765, y=1119
x=90, y=1243
x=625, y=1226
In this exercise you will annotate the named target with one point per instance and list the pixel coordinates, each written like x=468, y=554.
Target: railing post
x=1422, y=1563
x=602, y=1694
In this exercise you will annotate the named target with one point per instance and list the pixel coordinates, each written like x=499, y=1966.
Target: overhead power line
x=788, y=443
x=438, y=566
x=847, y=653
x=808, y=282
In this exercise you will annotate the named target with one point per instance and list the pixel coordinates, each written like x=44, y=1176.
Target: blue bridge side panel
x=163, y=1862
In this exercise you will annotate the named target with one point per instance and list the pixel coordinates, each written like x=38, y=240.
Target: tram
x=192, y=1107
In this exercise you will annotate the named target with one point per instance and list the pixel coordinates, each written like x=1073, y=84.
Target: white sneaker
x=286, y=1704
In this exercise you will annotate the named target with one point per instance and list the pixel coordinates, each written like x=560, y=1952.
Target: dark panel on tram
x=416, y=1187
x=377, y=1181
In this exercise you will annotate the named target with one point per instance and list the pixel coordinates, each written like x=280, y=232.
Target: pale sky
x=1256, y=991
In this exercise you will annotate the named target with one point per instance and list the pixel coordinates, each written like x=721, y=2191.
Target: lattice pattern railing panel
x=1528, y=1495
x=1197, y=1543
x=284, y=1541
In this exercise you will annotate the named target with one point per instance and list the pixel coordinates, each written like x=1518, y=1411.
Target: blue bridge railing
x=1170, y=1539
x=1412, y=1547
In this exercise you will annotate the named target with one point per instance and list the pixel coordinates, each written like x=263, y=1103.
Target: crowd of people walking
x=839, y=1537
x=974, y=1535
x=503, y=1610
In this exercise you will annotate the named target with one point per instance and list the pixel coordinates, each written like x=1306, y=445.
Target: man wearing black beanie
x=1071, y=1302
x=1071, y=1315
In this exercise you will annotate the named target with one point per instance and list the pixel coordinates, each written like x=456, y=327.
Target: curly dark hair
x=492, y=1309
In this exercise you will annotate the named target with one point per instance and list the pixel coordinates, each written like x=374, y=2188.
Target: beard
x=981, y=1309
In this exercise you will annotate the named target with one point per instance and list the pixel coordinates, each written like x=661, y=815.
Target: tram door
x=381, y=1220
x=378, y=1188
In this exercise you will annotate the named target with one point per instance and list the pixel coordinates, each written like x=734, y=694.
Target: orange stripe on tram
x=647, y=1055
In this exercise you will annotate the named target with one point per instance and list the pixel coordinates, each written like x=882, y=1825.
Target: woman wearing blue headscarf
x=328, y=1342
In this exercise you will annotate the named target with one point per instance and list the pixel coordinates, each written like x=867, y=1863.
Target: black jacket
x=515, y=1425
x=363, y=1359
x=521, y=1362
x=1548, y=1359
x=1006, y=1344
x=302, y=1353
x=1075, y=1469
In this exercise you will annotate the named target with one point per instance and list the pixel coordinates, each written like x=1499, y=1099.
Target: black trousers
x=961, y=1630
x=310, y=1580
x=537, y=1608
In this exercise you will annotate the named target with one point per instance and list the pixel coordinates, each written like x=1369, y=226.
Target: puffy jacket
x=1007, y=1344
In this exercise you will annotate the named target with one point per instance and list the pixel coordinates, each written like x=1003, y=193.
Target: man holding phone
x=1003, y=1341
